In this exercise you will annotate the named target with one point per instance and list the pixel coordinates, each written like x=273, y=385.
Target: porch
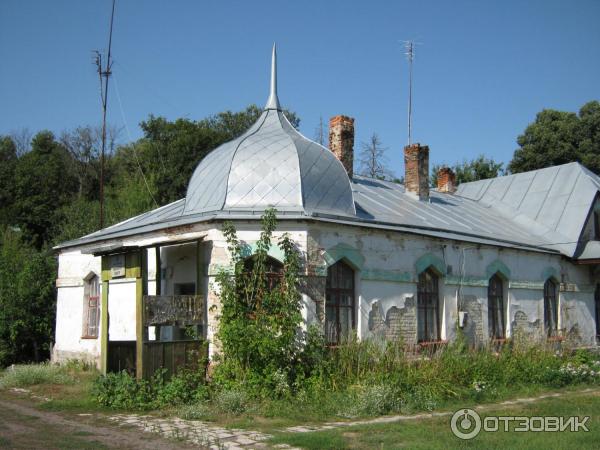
x=153, y=308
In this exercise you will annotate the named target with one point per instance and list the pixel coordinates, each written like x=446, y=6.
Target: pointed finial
x=273, y=102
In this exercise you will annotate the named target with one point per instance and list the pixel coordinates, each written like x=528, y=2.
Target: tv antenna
x=409, y=51
x=104, y=72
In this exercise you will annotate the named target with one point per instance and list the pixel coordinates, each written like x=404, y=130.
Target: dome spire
x=273, y=101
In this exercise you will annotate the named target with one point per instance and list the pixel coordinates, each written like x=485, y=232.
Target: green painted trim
x=466, y=281
x=140, y=287
x=105, y=268
x=430, y=260
x=274, y=251
x=549, y=272
x=344, y=251
x=497, y=267
x=104, y=327
x=386, y=275
x=524, y=284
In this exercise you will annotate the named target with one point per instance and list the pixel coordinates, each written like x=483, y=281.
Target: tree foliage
x=49, y=193
x=558, y=137
x=479, y=168
x=259, y=323
x=27, y=302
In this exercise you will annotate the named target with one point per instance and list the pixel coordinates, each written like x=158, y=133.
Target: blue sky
x=482, y=72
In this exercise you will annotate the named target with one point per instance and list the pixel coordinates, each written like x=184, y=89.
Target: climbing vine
x=260, y=316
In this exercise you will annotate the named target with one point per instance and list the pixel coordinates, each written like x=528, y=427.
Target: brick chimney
x=341, y=140
x=416, y=170
x=446, y=180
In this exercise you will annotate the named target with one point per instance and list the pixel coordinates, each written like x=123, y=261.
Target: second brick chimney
x=416, y=170
x=446, y=180
x=341, y=140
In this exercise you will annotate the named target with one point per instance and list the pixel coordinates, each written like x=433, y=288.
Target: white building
x=513, y=255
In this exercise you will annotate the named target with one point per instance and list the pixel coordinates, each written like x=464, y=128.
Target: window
x=91, y=307
x=550, y=308
x=597, y=225
x=428, y=318
x=496, y=308
x=273, y=270
x=339, y=302
x=597, y=304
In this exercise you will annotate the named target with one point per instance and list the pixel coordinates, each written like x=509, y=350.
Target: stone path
x=399, y=418
x=196, y=432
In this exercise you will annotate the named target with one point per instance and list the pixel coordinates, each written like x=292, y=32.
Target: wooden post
x=104, y=329
x=141, y=288
x=105, y=276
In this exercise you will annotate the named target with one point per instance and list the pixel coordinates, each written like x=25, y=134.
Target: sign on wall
x=117, y=265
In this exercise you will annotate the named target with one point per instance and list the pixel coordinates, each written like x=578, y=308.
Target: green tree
x=558, y=137
x=44, y=183
x=8, y=164
x=259, y=322
x=27, y=300
x=479, y=168
x=169, y=151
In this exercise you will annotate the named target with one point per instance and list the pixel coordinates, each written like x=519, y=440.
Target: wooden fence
x=174, y=356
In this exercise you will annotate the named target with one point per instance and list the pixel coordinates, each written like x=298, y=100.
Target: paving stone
x=244, y=440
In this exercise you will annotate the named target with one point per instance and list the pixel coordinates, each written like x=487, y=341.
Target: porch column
x=104, y=316
x=141, y=289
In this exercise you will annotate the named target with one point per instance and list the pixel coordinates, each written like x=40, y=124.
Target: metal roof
x=273, y=165
x=270, y=165
x=553, y=203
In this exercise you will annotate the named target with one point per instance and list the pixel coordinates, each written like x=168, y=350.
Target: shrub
x=122, y=391
x=32, y=374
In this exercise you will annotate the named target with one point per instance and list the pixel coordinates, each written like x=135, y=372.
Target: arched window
x=597, y=304
x=428, y=316
x=273, y=270
x=496, y=308
x=91, y=307
x=550, y=308
x=339, y=302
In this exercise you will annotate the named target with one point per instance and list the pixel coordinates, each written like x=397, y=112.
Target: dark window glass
x=550, y=308
x=428, y=318
x=339, y=302
x=496, y=308
x=597, y=225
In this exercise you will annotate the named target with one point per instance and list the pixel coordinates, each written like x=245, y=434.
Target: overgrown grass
x=33, y=374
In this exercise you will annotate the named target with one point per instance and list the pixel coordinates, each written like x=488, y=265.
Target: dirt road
x=22, y=426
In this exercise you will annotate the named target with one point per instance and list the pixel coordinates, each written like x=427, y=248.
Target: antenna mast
x=409, y=46
x=104, y=74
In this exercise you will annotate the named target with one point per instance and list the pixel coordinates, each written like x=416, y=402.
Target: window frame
x=91, y=307
x=551, y=314
x=428, y=299
x=333, y=296
x=496, y=307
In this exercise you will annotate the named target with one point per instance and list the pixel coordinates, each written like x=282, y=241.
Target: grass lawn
x=435, y=433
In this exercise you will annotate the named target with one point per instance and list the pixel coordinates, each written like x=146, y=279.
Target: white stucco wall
x=121, y=309
x=386, y=279
x=73, y=267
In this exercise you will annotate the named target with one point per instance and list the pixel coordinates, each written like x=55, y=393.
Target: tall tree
x=8, y=164
x=27, y=300
x=373, y=162
x=44, y=183
x=558, y=137
x=479, y=168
